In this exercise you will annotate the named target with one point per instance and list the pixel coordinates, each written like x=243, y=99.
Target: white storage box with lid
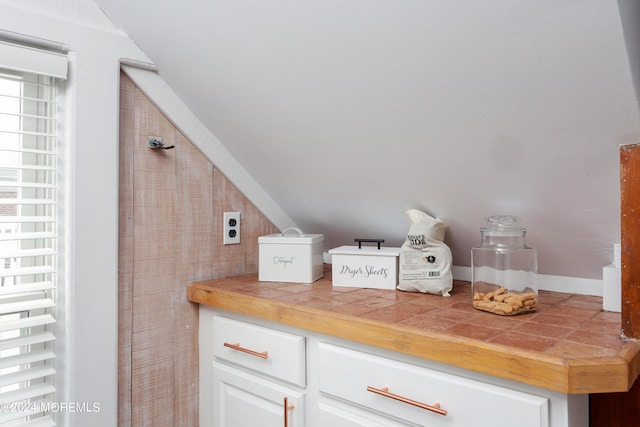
x=365, y=266
x=290, y=256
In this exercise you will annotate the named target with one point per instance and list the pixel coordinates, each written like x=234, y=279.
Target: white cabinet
x=248, y=366
x=250, y=375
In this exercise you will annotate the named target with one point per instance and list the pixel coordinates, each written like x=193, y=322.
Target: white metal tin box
x=365, y=267
x=290, y=256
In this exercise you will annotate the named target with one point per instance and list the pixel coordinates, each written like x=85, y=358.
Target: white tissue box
x=366, y=267
x=290, y=257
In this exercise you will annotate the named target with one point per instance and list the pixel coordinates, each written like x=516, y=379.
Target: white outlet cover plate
x=226, y=238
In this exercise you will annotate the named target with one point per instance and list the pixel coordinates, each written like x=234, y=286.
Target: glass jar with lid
x=504, y=269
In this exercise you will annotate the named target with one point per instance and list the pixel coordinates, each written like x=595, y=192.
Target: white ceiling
x=350, y=112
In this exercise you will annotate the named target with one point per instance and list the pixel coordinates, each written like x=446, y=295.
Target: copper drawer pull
x=385, y=392
x=287, y=408
x=236, y=346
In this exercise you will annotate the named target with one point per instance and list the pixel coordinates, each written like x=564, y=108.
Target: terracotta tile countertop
x=569, y=345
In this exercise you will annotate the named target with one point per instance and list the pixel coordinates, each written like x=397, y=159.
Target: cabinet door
x=243, y=399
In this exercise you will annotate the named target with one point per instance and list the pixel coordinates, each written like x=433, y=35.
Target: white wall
x=87, y=344
x=350, y=112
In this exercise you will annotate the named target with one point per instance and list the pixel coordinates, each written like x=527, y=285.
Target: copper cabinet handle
x=385, y=392
x=287, y=408
x=236, y=346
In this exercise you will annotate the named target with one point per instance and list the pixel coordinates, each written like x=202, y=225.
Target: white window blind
x=28, y=247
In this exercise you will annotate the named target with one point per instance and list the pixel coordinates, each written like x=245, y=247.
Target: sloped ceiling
x=350, y=112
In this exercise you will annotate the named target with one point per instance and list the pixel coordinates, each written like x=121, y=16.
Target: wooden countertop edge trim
x=571, y=376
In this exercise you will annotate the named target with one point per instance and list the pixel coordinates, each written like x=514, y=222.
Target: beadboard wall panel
x=171, y=206
x=154, y=272
x=194, y=257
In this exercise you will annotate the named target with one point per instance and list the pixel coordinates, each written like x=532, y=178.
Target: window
x=28, y=247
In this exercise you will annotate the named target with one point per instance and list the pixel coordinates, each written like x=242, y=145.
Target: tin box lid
x=365, y=250
x=291, y=236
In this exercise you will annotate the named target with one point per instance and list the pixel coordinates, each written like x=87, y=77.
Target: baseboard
x=547, y=282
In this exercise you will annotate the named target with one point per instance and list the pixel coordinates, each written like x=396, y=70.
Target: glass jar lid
x=503, y=225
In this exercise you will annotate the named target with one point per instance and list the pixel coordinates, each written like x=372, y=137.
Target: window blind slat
x=16, y=253
x=24, y=288
x=23, y=219
x=21, y=202
x=25, y=116
x=46, y=134
x=22, y=98
x=11, y=184
x=26, y=375
x=28, y=340
x=28, y=150
x=33, y=357
x=17, y=307
x=26, y=271
x=11, y=419
x=26, y=322
x=26, y=236
x=26, y=393
x=45, y=421
x=26, y=167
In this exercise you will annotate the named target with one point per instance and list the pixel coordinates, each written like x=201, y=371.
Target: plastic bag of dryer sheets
x=425, y=260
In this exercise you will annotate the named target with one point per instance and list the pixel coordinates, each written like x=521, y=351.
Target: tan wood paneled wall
x=171, y=205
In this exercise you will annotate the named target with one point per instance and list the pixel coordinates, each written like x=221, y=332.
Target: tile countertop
x=569, y=345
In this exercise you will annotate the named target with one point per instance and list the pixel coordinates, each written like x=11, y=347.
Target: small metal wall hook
x=155, y=142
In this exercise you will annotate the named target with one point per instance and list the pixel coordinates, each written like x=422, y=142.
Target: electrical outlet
x=231, y=228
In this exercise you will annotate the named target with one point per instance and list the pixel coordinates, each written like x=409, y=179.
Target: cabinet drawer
x=277, y=354
x=347, y=374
